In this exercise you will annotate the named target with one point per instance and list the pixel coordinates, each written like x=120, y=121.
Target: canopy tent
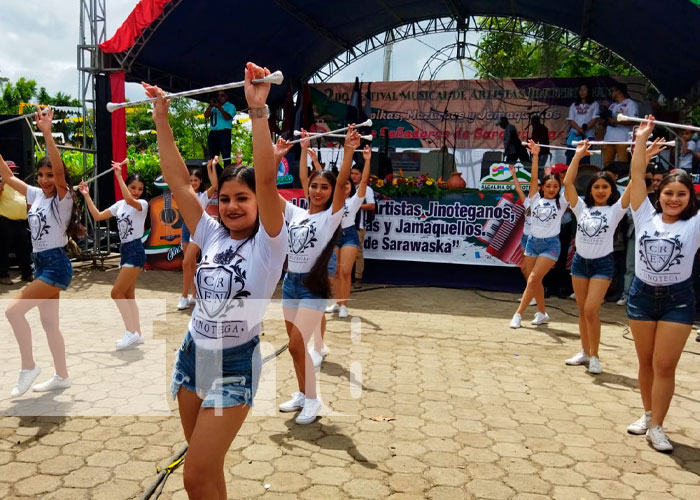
x=187, y=44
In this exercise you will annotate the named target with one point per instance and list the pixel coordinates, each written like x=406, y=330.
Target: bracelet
x=263, y=112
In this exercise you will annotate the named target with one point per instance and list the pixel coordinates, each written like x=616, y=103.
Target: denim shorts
x=332, y=265
x=523, y=241
x=132, y=254
x=672, y=303
x=185, y=234
x=348, y=237
x=53, y=267
x=601, y=268
x=296, y=295
x=221, y=378
x=543, y=247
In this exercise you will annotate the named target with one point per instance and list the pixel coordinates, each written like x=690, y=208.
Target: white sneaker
x=533, y=302
x=540, y=318
x=658, y=440
x=332, y=309
x=52, y=384
x=191, y=300
x=641, y=425
x=343, y=312
x=129, y=340
x=572, y=296
x=515, y=322
x=594, y=366
x=581, y=358
x=310, y=411
x=316, y=358
x=182, y=303
x=324, y=351
x=294, y=404
x=621, y=302
x=25, y=380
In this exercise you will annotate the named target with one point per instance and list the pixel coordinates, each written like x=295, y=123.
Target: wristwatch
x=259, y=112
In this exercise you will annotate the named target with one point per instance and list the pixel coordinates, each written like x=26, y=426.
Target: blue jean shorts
x=53, y=267
x=221, y=378
x=348, y=237
x=296, y=295
x=523, y=241
x=672, y=303
x=132, y=254
x=601, y=268
x=332, y=265
x=185, y=234
x=543, y=247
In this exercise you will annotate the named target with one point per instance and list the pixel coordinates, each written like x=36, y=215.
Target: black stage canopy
x=186, y=44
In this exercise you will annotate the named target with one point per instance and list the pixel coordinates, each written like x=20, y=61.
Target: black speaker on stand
x=16, y=144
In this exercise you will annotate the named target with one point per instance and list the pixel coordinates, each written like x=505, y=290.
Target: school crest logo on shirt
x=37, y=224
x=125, y=227
x=222, y=287
x=595, y=224
x=302, y=236
x=660, y=253
x=544, y=213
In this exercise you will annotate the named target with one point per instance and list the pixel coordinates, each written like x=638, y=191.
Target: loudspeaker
x=16, y=144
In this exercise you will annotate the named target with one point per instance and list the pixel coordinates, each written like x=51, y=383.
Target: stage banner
x=461, y=228
x=463, y=114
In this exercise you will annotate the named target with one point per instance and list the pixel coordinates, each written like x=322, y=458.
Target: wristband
x=263, y=112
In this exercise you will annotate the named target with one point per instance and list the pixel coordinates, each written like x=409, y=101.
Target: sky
x=40, y=39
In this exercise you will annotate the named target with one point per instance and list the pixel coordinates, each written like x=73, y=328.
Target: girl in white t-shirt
x=53, y=218
x=131, y=213
x=190, y=251
x=218, y=364
x=306, y=288
x=543, y=246
x=598, y=213
x=582, y=118
x=661, y=305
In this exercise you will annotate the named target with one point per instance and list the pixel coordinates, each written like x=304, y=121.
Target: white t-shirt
x=620, y=133
x=664, y=253
x=203, y=198
x=308, y=235
x=130, y=221
x=526, y=225
x=369, y=198
x=596, y=228
x=583, y=114
x=350, y=207
x=233, y=287
x=545, y=218
x=48, y=219
x=686, y=160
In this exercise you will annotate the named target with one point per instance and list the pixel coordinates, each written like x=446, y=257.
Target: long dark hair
x=544, y=180
x=589, y=99
x=246, y=175
x=317, y=279
x=75, y=230
x=198, y=174
x=679, y=176
x=614, y=193
x=135, y=178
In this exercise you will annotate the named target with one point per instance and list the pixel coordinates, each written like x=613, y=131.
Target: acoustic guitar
x=163, y=244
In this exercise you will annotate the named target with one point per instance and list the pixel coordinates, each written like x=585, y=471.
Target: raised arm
x=638, y=165
x=175, y=172
x=213, y=179
x=9, y=178
x=126, y=194
x=94, y=212
x=535, y=151
x=367, y=156
x=314, y=159
x=571, y=173
x=352, y=142
x=516, y=183
x=43, y=122
x=303, y=163
x=263, y=156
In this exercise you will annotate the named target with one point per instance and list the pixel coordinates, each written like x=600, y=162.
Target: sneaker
x=129, y=340
x=357, y=284
x=310, y=411
x=515, y=322
x=294, y=404
x=594, y=366
x=572, y=296
x=641, y=425
x=533, y=302
x=324, y=351
x=621, y=302
x=332, y=309
x=191, y=300
x=6, y=281
x=697, y=339
x=540, y=318
x=343, y=312
x=316, y=357
x=182, y=303
x=581, y=358
x=25, y=380
x=657, y=438
x=52, y=384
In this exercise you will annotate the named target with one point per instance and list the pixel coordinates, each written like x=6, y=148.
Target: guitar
x=163, y=245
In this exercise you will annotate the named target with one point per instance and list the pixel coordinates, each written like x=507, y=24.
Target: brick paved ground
x=474, y=409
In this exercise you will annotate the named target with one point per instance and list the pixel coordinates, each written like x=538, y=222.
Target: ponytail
x=317, y=280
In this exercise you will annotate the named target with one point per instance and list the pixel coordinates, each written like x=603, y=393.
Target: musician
x=220, y=113
x=583, y=114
